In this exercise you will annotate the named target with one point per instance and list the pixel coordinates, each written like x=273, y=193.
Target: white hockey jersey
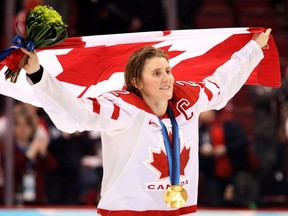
x=134, y=157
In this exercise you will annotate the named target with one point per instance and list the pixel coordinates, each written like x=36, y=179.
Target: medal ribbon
x=172, y=151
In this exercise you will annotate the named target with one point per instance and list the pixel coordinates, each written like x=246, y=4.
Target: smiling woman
x=153, y=114
x=156, y=84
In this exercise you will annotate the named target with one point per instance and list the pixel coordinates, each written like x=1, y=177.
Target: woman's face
x=157, y=80
x=22, y=130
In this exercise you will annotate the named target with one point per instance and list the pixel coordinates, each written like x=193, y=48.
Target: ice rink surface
x=92, y=212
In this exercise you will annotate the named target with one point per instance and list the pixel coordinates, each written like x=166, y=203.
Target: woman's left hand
x=32, y=63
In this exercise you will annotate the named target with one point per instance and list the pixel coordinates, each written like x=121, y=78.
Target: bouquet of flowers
x=44, y=27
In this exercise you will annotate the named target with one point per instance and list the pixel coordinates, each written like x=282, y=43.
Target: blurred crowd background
x=243, y=148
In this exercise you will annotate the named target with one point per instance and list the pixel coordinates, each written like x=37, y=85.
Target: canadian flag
x=91, y=65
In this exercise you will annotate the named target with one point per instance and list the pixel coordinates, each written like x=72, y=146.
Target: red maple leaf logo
x=160, y=162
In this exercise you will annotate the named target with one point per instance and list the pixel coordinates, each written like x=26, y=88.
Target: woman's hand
x=262, y=38
x=32, y=63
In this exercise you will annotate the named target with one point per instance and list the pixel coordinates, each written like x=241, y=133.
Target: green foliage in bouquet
x=44, y=27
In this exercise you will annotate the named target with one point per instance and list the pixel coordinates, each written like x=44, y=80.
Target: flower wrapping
x=44, y=27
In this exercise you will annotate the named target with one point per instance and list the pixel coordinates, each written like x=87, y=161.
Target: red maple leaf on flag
x=160, y=162
x=88, y=66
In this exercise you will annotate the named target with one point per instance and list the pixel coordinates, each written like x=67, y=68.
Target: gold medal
x=175, y=196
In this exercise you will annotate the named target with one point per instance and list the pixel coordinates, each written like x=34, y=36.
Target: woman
x=32, y=160
x=137, y=175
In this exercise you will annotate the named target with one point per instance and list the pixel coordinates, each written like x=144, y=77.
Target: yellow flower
x=44, y=27
x=47, y=15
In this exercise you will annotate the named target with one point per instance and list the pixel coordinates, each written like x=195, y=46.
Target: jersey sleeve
x=71, y=114
x=227, y=80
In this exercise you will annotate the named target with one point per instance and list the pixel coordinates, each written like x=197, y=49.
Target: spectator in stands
x=41, y=134
x=224, y=159
x=265, y=142
x=32, y=160
x=92, y=172
x=283, y=129
x=65, y=182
